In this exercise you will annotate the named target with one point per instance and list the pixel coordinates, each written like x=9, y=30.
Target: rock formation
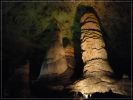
x=97, y=73
x=94, y=54
x=54, y=62
x=28, y=35
x=58, y=65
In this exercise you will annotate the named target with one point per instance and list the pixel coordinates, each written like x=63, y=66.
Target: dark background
x=27, y=34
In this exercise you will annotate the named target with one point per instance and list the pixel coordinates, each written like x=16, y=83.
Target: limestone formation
x=94, y=54
x=58, y=66
x=54, y=62
x=97, y=73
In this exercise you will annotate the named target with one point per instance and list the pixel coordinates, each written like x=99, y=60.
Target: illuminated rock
x=94, y=54
x=97, y=73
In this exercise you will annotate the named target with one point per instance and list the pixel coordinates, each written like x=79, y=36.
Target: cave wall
x=26, y=33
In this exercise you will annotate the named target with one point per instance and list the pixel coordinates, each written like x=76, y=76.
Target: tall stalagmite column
x=94, y=54
x=97, y=73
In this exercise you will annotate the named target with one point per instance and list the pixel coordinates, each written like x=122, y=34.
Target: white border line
x=66, y=1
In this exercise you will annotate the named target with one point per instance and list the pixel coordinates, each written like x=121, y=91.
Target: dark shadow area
x=121, y=64
x=107, y=95
x=77, y=43
x=16, y=51
x=66, y=42
x=41, y=90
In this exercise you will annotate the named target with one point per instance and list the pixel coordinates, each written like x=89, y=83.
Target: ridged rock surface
x=97, y=73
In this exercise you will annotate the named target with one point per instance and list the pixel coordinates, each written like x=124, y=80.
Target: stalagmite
x=57, y=68
x=55, y=62
x=94, y=54
x=97, y=73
